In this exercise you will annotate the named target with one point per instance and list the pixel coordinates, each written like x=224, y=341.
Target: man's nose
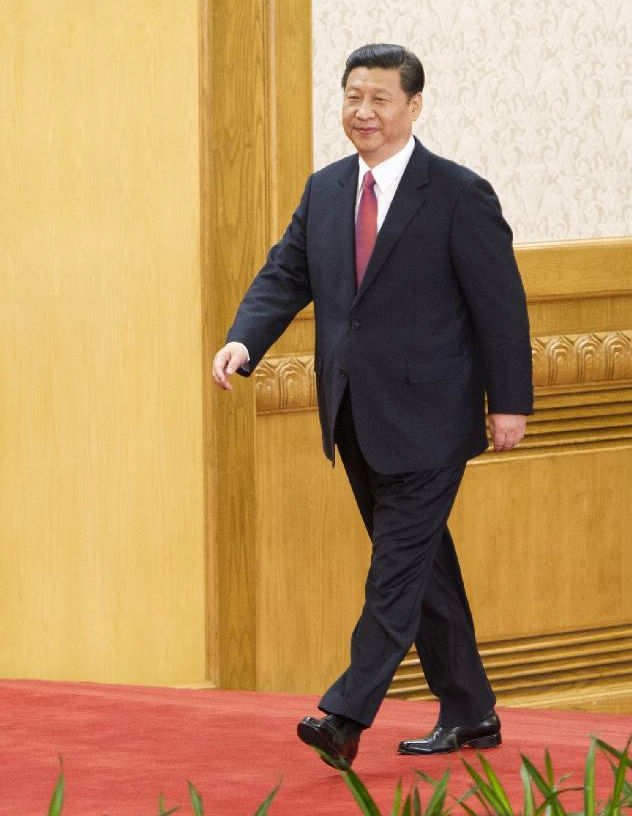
x=365, y=111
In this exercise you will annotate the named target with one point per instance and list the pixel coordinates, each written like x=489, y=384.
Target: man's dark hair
x=384, y=55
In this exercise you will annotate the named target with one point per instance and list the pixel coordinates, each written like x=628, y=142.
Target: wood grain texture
x=289, y=107
x=558, y=670
x=570, y=270
x=312, y=558
x=290, y=143
x=235, y=132
x=256, y=154
x=580, y=316
x=542, y=542
x=101, y=494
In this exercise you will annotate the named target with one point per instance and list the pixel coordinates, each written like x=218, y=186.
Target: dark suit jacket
x=439, y=319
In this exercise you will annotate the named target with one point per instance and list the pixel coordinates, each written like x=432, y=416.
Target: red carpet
x=123, y=745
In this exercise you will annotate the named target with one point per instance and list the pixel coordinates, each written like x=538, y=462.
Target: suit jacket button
x=355, y=325
x=342, y=372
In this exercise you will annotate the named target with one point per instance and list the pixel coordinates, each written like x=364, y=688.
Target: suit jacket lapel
x=343, y=215
x=409, y=198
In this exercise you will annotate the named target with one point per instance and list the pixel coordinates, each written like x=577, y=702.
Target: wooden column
x=255, y=121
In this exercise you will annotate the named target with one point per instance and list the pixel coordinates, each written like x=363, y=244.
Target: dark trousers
x=414, y=592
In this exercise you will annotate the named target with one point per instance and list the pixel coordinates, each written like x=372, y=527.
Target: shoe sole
x=482, y=743
x=315, y=738
x=492, y=741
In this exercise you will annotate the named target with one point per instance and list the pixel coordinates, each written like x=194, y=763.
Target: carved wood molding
x=286, y=384
x=573, y=359
x=599, y=358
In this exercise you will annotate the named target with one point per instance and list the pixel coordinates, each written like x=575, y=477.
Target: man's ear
x=415, y=105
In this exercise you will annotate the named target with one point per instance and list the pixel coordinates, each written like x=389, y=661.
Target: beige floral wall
x=535, y=96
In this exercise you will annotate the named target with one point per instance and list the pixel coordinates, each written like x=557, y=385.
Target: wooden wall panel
x=542, y=540
x=101, y=551
x=312, y=555
x=576, y=270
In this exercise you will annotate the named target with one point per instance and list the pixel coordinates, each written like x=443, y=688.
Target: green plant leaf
x=535, y=775
x=416, y=802
x=473, y=791
x=486, y=793
x=619, y=779
x=620, y=755
x=161, y=807
x=57, y=799
x=529, y=804
x=552, y=804
x=360, y=794
x=398, y=798
x=426, y=778
x=469, y=792
x=551, y=801
x=494, y=782
x=466, y=808
x=435, y=784
x=437, y=800
x=589, y=780
x=550, y=778
x=626, y=801
x=263, y=807
x=407, y=811
x=355, y=785
x=196, y=800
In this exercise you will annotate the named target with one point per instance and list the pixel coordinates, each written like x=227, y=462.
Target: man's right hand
x=227, y=360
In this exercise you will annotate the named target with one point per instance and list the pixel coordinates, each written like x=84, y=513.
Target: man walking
x=420, y=312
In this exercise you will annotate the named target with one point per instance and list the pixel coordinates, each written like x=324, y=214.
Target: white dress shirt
x=387, y=175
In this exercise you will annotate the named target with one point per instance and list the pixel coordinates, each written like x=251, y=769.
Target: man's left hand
x=506, y=430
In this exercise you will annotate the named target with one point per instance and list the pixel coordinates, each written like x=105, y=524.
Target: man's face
x=377, y=114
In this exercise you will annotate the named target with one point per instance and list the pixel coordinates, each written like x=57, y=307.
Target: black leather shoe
x=333, y=734
x=442, y=740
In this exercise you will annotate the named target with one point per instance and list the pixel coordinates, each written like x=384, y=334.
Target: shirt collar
x=390, y=170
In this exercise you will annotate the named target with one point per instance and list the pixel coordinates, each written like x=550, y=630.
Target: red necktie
x=366, y=226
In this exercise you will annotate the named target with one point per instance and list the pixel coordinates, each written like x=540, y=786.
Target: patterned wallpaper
x=534, y=96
